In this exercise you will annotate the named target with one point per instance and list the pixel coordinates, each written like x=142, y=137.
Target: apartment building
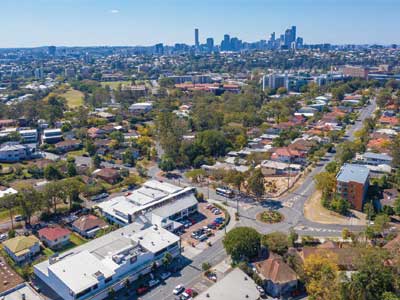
x=352, y=184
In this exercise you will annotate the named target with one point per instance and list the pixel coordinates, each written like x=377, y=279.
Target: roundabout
x=270, y=217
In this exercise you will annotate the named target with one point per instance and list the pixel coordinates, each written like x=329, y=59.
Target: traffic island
x=270, y=217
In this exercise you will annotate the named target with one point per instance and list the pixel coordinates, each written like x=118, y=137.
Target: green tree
x=205, y=266
x=96, y=161
x=234, y=178
x=51, y=172
x=242, y=243
x=390, y=296
x=29, y=200
x=167, y=259
x=166, y=164
x=255, y=183
x=71, y=169
x=276, y=242
x=397, y=206
x=90, y=147
x=9, y=202
x=326, y=183
x=292, y=237
x=373, y=277
x=369, y=210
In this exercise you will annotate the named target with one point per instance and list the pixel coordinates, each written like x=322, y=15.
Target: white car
x=178, y=289
x=3, y=237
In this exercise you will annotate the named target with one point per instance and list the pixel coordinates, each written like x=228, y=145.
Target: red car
x=142, y=290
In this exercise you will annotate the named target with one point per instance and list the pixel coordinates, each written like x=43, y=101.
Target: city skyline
x=132, y=23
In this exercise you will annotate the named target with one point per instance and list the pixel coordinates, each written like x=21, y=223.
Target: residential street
x=292, y=209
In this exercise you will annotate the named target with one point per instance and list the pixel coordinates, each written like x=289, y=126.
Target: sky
x=30, y=23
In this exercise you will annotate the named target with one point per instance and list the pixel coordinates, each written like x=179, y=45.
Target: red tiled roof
x=276, y=270
x=389, y=120
x=88, y=222
x=53, y=233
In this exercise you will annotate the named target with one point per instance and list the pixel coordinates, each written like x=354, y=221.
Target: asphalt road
x=292, y=209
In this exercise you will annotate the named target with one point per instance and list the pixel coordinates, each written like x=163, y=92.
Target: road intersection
x=292, y=205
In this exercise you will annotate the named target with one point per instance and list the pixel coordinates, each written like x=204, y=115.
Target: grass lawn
x=5, y=215
x=48, y=252
x=114, y=84
x=77, y=240
x=74, y=98
x=77, y=152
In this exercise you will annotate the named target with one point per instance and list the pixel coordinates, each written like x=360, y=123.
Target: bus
x=224, y=192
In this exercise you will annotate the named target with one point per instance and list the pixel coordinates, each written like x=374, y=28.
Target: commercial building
x=52, y=136
x=22, y=291
x=141, y=107
x=352, y=184
x=106, y=263
x=355, y=72
x=196, y=38
x=29, y=135
x=156, y=202
x=236, y=285
x=275, y=81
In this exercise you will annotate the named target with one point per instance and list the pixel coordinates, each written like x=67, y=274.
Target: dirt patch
x=314, y=211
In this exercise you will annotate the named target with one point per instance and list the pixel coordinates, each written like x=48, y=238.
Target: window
x=108, y=279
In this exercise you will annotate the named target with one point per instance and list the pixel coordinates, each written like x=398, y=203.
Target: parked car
x=202, y=238
x=187, y=294
x=212, y=276
x=211, y=226
x=165, y=275
x=3, y=237
x=178, y=289
x=261, y=290
x=19, y=218
x=142, y=290
x=99, y=197
x=153, y=282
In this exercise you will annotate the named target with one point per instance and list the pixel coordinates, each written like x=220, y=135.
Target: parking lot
x=205, y=224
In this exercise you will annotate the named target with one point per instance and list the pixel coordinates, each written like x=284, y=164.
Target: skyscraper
x=196, y=37
x=210, y=44
x=226, y=43
x=293, y=33
x=51, y=50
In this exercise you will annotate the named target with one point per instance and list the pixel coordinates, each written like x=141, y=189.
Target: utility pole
x=288, y=179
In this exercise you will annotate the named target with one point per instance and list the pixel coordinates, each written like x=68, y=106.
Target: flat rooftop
x=234, y=286
x=78, y=267
x=353, y=172
x=23, y=289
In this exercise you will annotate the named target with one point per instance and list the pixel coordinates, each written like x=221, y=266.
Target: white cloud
x=114, y=11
